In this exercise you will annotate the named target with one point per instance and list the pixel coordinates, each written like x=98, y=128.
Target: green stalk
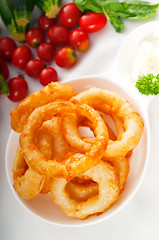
x=50, y=7
x=3, y=85
x=16, y=14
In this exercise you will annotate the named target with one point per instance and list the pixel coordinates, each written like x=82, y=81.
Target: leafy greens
x=148, y=85
x=115, y=11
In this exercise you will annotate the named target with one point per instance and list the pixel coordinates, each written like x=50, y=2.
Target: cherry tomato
x=18, y=89
x=46, y=51
x=21, y=56
x=45, y=23
x=34, y=37
x=59, y=35
x=34, y=67
x=7, y=47
x=66, y=57
x=79, y=40
x=92, y=22
x=4, y=71
x=48, y=75
x=69, y=15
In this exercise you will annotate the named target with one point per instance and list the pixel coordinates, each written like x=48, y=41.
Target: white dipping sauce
x=146, y=59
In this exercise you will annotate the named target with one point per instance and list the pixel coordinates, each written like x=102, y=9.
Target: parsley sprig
x=148, y=85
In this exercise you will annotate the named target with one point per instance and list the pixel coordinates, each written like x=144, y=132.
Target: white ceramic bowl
x=117, y=79
x=42, y=205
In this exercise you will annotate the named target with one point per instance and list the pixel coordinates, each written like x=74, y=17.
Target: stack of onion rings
x=113, y=103
x=84, y=175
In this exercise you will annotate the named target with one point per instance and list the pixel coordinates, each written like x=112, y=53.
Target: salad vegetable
x=69, y=15
x=16, y=14
x=148, y=85
x=50, y=7
x=92, y=22
x=115, y=10
x=18, y=89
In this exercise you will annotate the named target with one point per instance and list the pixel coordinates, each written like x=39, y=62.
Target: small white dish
x=117, y=79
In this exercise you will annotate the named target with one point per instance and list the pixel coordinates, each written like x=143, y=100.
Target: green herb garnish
x=115, y=11
x=148, y=85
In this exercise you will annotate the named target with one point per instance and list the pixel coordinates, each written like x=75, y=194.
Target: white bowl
x=117, y=79
x=128, y=49
x=42, y=205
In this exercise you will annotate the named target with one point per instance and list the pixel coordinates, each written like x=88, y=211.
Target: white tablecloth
x=140, y=218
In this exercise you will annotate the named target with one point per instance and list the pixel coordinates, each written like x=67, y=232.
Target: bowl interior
x=42, y=205
x=128, y=49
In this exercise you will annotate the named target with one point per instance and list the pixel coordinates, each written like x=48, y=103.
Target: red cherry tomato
x=66, y=57
x=34, y=37
x=46, y=51
x=79, y=40
x=4, y=71
x=34, y=67
x=48, y=75
x=7, y=47
x=92, y=22
x=45, y=23
x=59, y=35
x=18, y=89
x=21, y=56
x=69, y=15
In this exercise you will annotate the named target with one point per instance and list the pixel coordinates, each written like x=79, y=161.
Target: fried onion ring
x=115, y=104
x=44, y=142
x=19, y=164
x=105, y=175
x=30, y=184
x=80, y=189
x=50, y=93
x=75, y=164
x=60, y=145
x=122, y=167
x=27, y=182
x=23, y=178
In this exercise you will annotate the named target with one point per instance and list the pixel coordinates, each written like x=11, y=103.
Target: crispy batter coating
x=105, y=175
x=113, y=103
x=75, y=164
x=50, y=93
x=85, y=175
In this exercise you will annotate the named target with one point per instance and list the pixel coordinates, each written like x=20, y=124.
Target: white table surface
x=140, y=218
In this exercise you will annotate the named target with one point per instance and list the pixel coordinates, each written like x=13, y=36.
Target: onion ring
x=30, y=184
x=22, y=176
x=105, y=175
x=44, y=142
x=50, y=93
x=81, y=190
x=27, y=182
x=78, y=191
x=122, y=167
x=86, y=189
x=19, y=165
x=115, y=104
x=60, y=145
x=74, y=165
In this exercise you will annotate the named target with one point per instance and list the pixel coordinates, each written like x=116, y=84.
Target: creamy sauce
x=146, y=59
